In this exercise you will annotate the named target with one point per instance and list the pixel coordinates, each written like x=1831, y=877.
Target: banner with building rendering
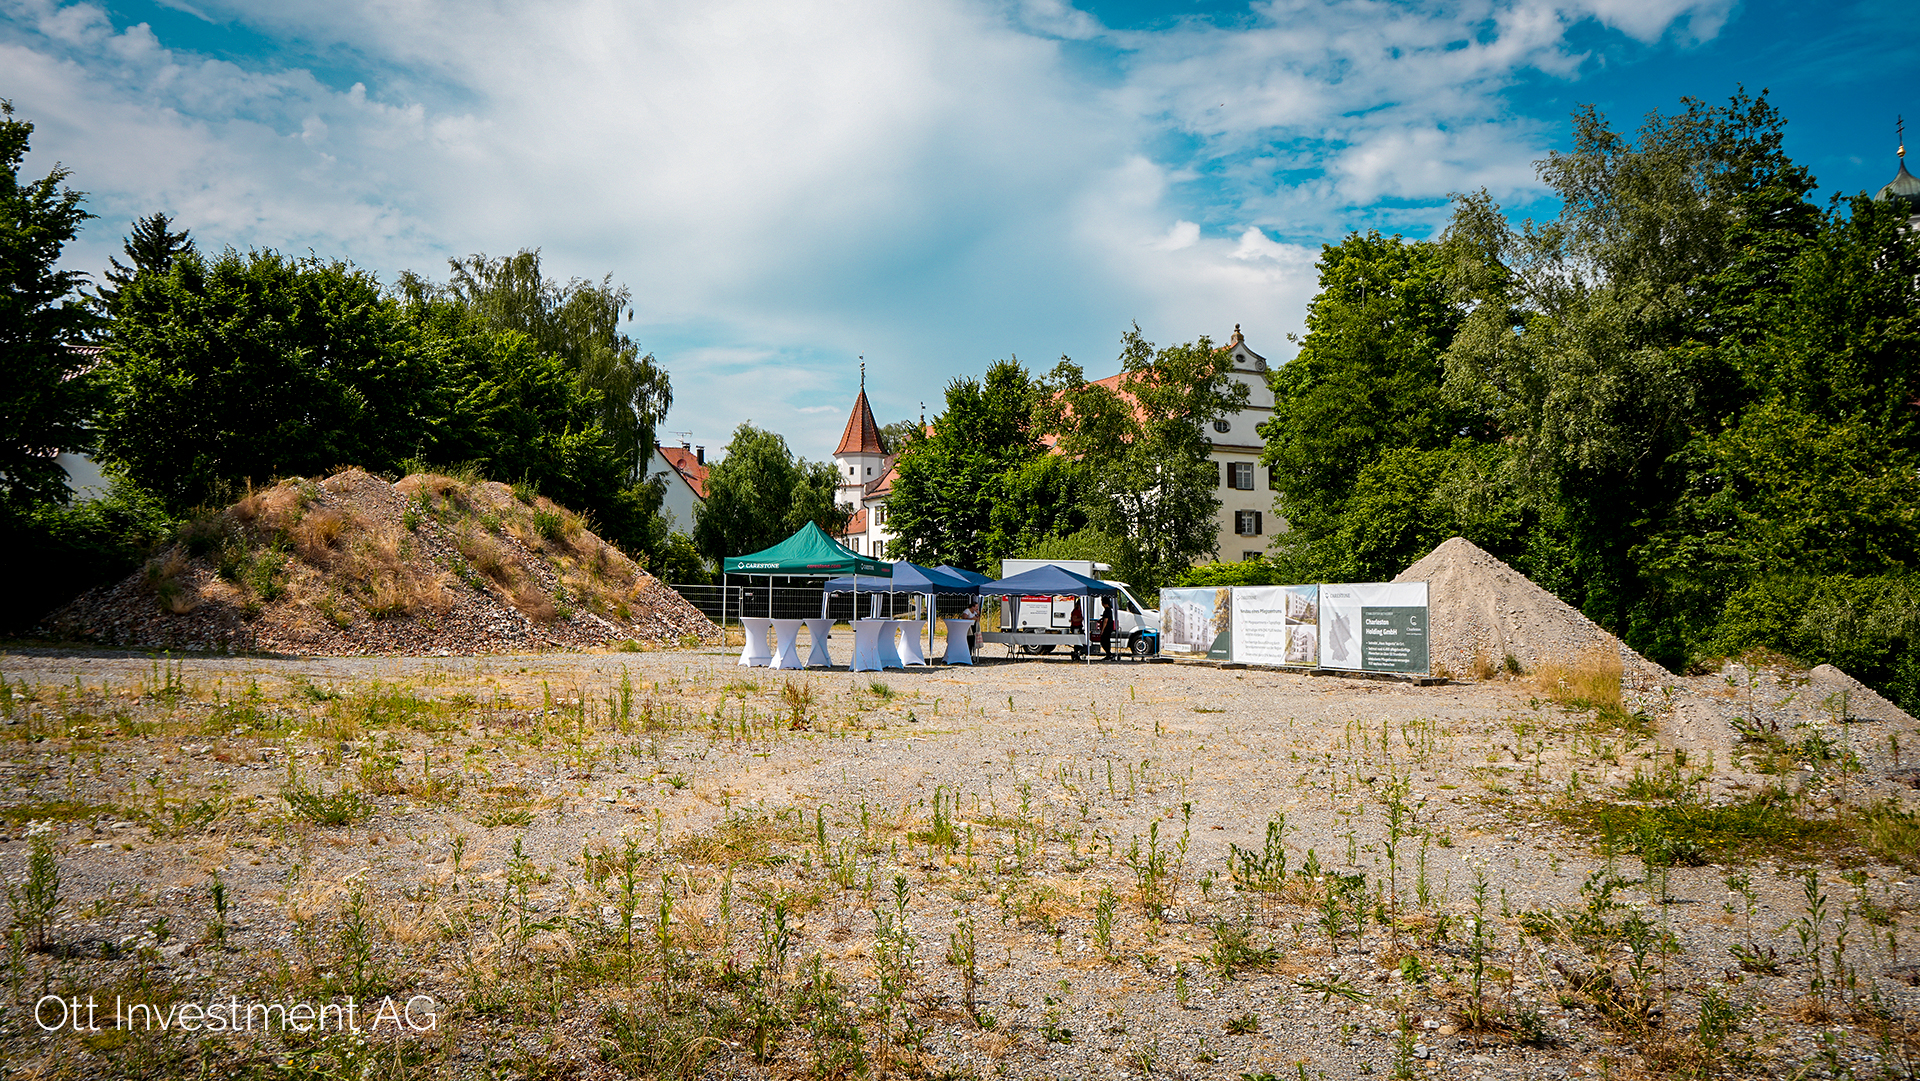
x=1276, y=625
x=1197, y=622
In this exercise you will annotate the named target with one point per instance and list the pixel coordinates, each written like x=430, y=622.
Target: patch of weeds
x=746, y=836
x=1765, y=824
x=59, y=810
x=1233, y=949
x=342, y=808
x=38, y=894
x=1244, y=1025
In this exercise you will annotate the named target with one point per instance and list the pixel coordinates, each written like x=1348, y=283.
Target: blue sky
x=933, y=185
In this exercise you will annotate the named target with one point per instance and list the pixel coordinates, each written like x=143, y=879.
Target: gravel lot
x=1080, y=819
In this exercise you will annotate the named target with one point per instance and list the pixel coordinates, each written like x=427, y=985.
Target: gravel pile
x=1483, y=611
x=353, y=565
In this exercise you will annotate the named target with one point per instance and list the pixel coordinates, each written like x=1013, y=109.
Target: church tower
x=1905, y=187
x=861, y=458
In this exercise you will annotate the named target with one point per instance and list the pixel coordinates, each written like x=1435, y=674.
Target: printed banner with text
x=1374, y=627
x=1276, y=625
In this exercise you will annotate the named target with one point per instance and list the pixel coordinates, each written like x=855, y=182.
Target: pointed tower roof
x=863, y=434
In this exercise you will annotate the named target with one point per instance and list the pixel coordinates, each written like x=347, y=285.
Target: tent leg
x=723, y=612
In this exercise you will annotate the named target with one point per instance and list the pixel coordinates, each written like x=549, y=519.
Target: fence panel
x=803, y=602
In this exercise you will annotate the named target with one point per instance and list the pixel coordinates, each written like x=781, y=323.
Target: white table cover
x=756, y=654
x=957, y=631
x=817, y=631
x=786, y=636
x=866, y=644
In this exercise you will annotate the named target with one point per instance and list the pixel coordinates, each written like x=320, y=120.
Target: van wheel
x=1137, y=645
x=1036, y=649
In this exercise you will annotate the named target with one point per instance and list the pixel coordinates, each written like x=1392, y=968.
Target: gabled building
x=1245, y=522
x=684, y=471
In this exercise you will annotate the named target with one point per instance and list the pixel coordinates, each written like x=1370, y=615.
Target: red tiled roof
x=863, y=434
x=883, y=486
x=687, y=464
x=857, y=524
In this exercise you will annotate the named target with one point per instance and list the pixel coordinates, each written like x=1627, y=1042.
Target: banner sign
x=1374, y=627
x=1276, y=625
x=1197, y=621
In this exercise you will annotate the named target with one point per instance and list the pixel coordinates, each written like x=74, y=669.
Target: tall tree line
x=1688, y=404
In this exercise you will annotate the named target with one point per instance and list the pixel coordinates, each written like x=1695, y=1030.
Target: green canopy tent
x=809, y=553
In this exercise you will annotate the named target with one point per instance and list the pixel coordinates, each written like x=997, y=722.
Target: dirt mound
x=1483, y=611
x=354, y=565
x=1850, y=699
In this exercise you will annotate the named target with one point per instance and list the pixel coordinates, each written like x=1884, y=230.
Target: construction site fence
x=803, y=602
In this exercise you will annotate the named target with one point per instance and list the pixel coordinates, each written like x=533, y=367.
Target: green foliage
x=982, y=487
x=151, y=247
x=80, y=545
x=759, y=494
x=45, y=397
x=1247, y=572
x=253, y=366
x=1360, y=422
x=1153, y=481
x=1089, y=544
x=578, y=323
x=38, y=893
x=1682, y=405
x=683, y=564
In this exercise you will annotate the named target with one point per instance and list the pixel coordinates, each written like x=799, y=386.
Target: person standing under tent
x=1103, y=627
x=972, y=613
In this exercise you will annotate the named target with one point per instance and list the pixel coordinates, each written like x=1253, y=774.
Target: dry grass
x=1591, y=681
x=486, y=556
x=164, y=578
x=317, y=535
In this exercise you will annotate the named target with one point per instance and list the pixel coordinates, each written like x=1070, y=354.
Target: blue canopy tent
x=1049, y=581
x=905, y=578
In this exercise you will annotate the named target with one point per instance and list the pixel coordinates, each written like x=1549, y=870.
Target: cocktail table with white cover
x=866, y=644
x=957, y=631
x=890, y=644
x=817, y=630
x=786, y=636
x=910, y=651
x=756, y=654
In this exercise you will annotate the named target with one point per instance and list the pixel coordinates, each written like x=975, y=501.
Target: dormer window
x=1222, y=426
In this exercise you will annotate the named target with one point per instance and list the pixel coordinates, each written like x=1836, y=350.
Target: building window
x=1246, y=523
x=879, y=549
x=1240, y=475
x=1273, y=480
x=869, y=471
x=1222, y=426
x=1249, y=557
x=1219, y=471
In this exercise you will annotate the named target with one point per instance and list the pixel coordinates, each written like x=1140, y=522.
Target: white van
x=1030, y=622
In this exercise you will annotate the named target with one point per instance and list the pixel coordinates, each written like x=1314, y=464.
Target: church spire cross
x=1900, y=133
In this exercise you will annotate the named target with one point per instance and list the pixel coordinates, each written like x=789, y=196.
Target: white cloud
x=785, y=185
